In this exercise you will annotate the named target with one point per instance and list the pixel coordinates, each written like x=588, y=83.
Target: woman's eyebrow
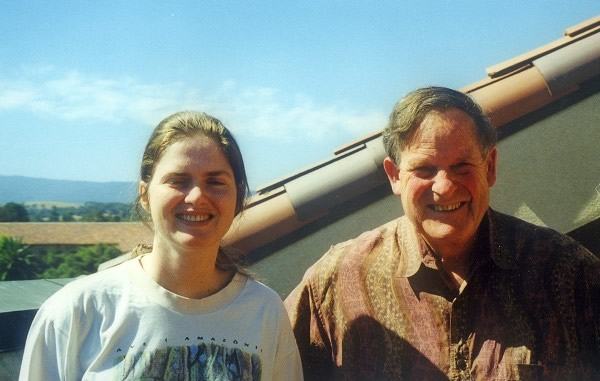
x=177, y=174
x=220, y=173
x=173, y=174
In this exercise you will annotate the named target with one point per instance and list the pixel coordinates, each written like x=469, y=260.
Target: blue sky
x=83, y=83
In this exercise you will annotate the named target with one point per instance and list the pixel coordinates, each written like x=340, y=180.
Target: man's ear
x=393, y=174
x=491, y=163
x=143, y=193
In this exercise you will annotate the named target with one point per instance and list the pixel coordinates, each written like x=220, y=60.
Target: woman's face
x=192, y=195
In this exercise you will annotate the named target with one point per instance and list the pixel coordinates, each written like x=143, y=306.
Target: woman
x=184, y=310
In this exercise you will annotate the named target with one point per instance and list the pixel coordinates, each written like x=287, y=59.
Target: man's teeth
x=446, y=208
x=193, y=218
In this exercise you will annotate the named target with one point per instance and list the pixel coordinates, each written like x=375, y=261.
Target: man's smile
x=446, y=208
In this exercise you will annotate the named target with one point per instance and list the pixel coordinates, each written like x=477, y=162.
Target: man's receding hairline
x=441, y=111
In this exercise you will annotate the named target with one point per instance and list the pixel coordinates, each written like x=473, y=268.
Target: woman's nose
x=194, y=195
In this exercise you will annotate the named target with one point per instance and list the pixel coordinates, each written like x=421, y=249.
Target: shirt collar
x=415, y=251
x=412, y=249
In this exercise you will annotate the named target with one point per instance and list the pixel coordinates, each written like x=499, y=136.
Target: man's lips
x=446, y=208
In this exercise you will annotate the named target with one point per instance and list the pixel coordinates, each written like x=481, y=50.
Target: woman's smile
x=190, y=217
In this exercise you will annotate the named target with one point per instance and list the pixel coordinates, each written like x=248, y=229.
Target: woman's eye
x=177, y=181
x=216, y=182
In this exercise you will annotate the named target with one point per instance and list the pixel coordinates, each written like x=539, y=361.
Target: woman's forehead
x=193, y=151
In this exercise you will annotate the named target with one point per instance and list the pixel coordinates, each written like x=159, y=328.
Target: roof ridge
x=577, y=33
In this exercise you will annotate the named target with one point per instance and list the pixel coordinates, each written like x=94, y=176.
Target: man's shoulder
x=367, y=238
x=355, y=249
x=510, y=227
x=529, y=243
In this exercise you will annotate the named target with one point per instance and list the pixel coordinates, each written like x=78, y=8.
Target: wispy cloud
x=74, y=96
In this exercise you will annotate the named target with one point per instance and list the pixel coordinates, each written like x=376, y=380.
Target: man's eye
x=462, y=168
x=423, y=172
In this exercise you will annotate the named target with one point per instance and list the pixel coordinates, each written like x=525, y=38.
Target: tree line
x=88, y=212
x=19, y=261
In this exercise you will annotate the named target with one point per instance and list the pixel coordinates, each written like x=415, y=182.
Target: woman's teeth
x=193, y=218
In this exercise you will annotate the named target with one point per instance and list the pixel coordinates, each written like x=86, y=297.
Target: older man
x=453, y=289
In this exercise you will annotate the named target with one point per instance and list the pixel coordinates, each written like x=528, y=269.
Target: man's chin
x=439, y=231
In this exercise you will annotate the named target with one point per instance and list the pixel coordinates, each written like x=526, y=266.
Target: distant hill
x=22, y=189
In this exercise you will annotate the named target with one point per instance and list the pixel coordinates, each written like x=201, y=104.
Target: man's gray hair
x=409, y=112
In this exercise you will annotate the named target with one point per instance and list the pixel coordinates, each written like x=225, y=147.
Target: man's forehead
x=455, y=154
x=449, y=117
x=443, y=124
x=450, y=135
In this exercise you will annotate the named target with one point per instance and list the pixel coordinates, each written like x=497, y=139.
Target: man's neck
x=458, y=264
x=458, y=269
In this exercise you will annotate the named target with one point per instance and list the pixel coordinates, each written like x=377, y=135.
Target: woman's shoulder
x=267, y=302
x=257, y=290
x=88, y=287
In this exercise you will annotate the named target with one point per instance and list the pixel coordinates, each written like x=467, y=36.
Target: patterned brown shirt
x=378, y=308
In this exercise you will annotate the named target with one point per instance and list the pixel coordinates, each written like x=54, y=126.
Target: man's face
x=443, y=180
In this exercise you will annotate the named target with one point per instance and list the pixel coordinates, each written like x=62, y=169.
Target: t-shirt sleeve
x=43, y=356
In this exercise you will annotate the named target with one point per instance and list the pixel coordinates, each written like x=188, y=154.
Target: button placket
x=460, y=356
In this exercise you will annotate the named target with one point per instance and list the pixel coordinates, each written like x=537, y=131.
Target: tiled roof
x=537, y=78
x=512, y=89
x=125, y=235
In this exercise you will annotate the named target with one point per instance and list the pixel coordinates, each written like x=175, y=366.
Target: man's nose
x=443, y=184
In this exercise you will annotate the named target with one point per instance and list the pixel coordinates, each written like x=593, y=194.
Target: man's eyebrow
x=417, y=162
x=469, y=157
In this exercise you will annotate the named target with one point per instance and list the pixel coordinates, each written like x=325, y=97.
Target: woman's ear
x=143, y=195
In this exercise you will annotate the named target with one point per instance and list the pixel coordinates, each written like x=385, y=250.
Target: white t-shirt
x=119, y=324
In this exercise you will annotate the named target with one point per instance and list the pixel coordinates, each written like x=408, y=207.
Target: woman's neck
x=192, y=274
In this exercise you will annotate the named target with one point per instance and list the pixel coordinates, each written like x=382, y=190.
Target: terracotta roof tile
x=125, y=235
x=513, y=88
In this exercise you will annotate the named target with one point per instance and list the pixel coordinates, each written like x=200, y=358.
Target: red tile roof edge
x=506, y=97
